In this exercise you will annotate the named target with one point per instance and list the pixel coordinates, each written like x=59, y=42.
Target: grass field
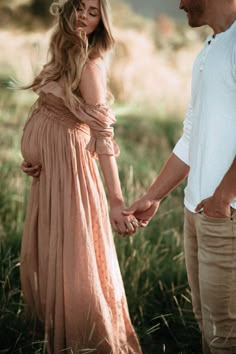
x=152, y=262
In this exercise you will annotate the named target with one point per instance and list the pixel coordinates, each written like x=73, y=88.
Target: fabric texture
x=208, y=144
x=210, y=253
x=70, y=274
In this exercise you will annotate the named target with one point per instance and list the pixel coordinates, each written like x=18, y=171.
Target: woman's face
x=89, y=15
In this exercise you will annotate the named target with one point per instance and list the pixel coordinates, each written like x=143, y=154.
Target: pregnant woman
x=70, y=274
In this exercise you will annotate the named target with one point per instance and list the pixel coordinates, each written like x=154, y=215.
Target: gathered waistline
x=65, y=118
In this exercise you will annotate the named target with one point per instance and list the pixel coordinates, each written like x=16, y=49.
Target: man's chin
x=194, y=24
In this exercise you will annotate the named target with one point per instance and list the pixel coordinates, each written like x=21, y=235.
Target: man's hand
x=218, y=205
x=173, y=172
x=143, y=210
x=214, y=207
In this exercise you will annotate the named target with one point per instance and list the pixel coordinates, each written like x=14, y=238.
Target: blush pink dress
x=70, y=274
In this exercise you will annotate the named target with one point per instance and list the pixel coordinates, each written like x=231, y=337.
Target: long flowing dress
x=70, y=274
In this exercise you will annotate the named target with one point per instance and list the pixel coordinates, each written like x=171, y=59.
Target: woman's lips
x=82, y=24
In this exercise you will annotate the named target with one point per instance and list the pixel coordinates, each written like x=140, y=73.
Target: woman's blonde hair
x=70, y=48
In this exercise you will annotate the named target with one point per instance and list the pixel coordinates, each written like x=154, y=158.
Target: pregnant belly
x=30, y=141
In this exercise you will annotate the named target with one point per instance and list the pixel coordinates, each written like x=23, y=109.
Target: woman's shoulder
x=95, y=71
x=93, y=86
x=96, y=66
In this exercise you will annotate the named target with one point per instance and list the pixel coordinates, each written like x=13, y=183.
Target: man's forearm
x=172, y=174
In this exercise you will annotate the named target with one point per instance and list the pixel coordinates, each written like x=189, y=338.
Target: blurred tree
x=41, y=8
x=27, y=14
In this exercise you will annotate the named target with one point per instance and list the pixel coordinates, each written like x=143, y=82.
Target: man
x=206, y=155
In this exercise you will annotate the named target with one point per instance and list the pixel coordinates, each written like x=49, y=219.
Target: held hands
x=123, y=225
x=143, y=210
x=33, y=171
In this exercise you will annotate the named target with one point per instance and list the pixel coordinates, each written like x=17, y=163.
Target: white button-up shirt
x=208, y=144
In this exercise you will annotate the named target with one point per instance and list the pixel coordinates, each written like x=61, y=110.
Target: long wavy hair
x=70, y=48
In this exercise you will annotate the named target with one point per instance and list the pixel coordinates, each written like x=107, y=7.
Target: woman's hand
x=123, y=225
x=33, y=171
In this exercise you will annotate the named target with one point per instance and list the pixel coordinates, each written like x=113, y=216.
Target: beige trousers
x=210, y=253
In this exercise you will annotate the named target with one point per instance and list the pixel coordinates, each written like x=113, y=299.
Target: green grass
x=152, y=262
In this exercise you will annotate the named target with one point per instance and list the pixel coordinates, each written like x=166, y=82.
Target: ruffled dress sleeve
x=100, y=119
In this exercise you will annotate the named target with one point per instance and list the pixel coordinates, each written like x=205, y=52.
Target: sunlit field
x=151, y=85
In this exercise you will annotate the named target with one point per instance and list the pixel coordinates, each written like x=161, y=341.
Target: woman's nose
x=83, y=14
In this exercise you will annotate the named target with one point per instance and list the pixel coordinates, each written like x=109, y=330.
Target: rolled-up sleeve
x=100, y=119
x=181, y=149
